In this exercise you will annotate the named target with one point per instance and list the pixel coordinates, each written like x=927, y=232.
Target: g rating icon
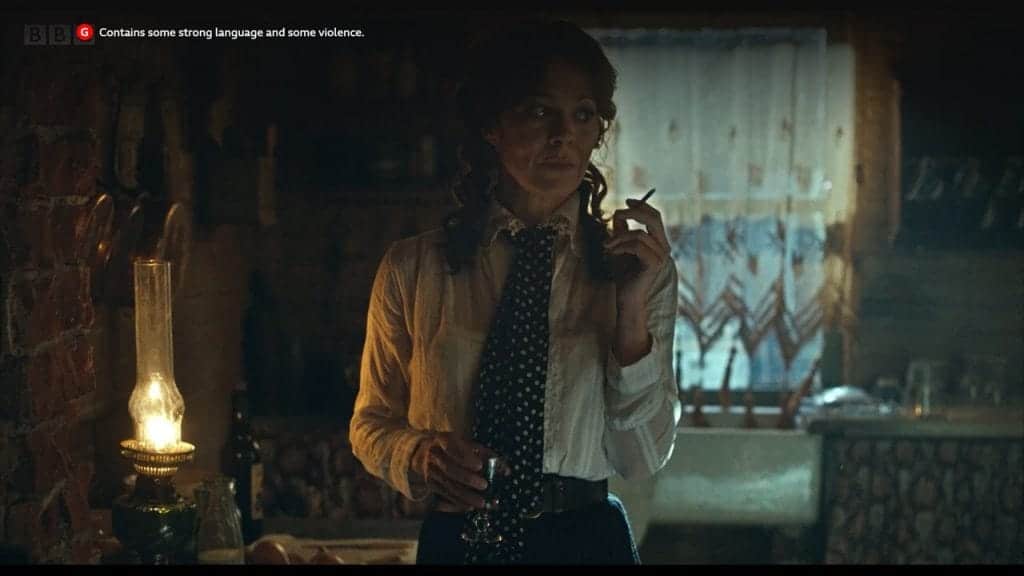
x=84, y=34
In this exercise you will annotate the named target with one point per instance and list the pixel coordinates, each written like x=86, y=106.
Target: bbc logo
x=59, y=35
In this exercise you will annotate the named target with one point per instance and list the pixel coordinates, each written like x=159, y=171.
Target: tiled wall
x=912, y=501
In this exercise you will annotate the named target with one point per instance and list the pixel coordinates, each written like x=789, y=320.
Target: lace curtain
x=747, y=135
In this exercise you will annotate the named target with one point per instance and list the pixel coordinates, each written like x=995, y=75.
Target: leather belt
x=564, y=493
x=559, y=494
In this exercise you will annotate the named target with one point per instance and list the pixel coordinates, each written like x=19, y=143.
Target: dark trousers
x=599, y=534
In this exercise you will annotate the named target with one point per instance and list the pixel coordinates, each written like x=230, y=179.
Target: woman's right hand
x=452, y=468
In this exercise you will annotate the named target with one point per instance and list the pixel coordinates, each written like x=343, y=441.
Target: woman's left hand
x=651, y=247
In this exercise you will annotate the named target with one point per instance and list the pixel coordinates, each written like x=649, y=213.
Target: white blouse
x=425, y=332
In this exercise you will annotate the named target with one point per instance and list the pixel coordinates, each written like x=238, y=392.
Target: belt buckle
x=561, y=503
x=546, y=496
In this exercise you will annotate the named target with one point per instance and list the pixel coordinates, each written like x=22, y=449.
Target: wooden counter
x=1008, y=424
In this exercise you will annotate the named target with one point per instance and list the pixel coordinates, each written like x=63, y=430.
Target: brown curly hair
x=501, y=72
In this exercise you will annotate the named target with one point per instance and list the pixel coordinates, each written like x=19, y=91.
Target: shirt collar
x=565, y=221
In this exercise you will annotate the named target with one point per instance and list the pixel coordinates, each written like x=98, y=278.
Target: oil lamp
x=153, y=522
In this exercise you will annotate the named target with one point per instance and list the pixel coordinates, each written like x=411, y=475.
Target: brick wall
x=50, y=161
x=67, y=357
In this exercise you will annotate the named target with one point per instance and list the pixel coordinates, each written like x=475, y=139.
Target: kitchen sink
x=730, y=476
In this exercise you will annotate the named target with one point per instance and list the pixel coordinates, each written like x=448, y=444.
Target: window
x=747, y=135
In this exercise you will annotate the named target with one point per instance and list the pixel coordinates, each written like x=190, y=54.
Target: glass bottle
x=246, y=467
x=218, y=532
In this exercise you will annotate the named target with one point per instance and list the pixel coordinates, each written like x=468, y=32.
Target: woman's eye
x=584, y=114
x=540, y=112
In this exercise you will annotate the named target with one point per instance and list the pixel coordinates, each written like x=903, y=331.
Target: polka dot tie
x=509, y=402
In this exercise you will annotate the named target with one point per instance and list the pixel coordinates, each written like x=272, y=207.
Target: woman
x=517, y=330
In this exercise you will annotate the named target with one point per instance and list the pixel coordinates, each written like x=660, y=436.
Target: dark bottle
x=680, y=391
x=724, y=394
x=697, y=418
x=246, y=467
x=749, y=420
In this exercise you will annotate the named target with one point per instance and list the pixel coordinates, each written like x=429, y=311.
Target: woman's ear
x=490, y=135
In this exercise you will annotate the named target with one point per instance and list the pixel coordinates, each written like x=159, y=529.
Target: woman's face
x=545, y=142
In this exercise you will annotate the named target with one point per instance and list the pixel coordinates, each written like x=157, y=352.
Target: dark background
x=283, y=306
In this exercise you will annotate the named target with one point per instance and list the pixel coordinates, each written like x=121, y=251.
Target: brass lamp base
x=154, y=524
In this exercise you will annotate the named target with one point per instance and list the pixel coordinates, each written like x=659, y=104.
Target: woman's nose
x=562, y=130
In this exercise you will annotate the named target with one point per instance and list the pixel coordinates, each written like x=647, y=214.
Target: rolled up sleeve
x=641, y=401
x=379, y=431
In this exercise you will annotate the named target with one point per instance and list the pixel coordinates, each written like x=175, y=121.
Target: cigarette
x=648, y=195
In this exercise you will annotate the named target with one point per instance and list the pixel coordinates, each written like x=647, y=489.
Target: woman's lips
x=565, y=164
